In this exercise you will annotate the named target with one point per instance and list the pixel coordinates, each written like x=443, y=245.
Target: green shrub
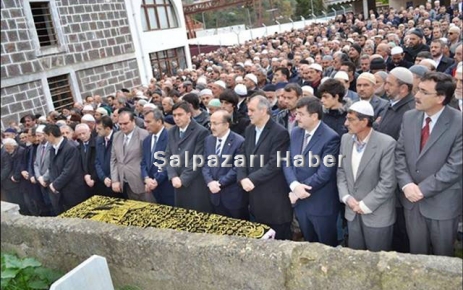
x=25, y=274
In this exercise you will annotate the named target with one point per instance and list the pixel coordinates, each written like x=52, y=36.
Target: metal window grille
x=60, y=91
x=167, y=62
x=44, y=23
x=157, y=15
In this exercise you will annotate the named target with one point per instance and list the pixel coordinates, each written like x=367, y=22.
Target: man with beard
x=416, y=45
x=443, y=62
x=398, y=87
x=397, y=59
x=379, y=87
x=366, y=90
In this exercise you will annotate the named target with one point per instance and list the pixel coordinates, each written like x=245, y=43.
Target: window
x=167, y=62
x=158, y=14
x=60, y=91
x=43, y=23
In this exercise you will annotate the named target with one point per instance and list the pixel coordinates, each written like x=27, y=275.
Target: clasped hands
x=354, y=205
x=413, y=193
x=214, y=186
x=300, y=192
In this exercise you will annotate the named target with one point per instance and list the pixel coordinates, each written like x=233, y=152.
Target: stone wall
x=166, y=259
x=19, y=100
x=92, y=30
x=95, y=50
x=107, y=79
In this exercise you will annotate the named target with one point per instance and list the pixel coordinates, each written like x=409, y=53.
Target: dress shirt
x=56, y=147
x=434, y=119
x=258, y=132
x=157, y=135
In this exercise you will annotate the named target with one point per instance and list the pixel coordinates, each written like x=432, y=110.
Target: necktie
x=126, y=140
x=292, y=118
x=153, y=148
x=306, y=138
x=42, y=154
x=425, y=133
x=219, y=145
x=182, y=133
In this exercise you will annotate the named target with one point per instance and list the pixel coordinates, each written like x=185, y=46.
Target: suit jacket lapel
x=262, y=136
x=188, y=131
x=348, y=160
x=314, y=139
x=227, y=145
x=439, y=128
x=370, y=151
x=417, y=132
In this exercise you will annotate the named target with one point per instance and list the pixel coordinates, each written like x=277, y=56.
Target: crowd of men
x=378, y=100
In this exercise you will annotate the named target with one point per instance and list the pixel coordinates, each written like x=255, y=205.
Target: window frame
x=167, y=57
x=167, y=4
x=54, y=15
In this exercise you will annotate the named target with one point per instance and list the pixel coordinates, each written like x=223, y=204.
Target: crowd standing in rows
x=384, y=93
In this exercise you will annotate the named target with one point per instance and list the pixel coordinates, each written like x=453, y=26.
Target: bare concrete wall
x=166, y=259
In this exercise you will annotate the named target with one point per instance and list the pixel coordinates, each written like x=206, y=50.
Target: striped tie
x=219, y=145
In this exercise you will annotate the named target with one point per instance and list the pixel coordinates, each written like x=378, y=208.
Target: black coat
x=66, y=174
x=391, y=118
x=269, y=201
x=444, y=64
x=335, y=119
x=411, y=52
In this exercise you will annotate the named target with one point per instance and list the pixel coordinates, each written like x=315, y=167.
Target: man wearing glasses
x=227, y=197
x=429, y=167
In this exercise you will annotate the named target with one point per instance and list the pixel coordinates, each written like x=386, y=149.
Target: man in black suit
x=443, y=62
x=103, y=146
x=87, y=152
x=263, y=179
x=187, y=137
x=67, y=187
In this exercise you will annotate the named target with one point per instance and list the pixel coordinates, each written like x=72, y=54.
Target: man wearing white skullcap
x=366, y=90
x=217, y=88
x=398, y=87
x=397, y=59
x=343, y=77
x=250, y=81
x=366, y=181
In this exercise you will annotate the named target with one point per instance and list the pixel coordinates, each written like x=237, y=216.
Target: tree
x=304, y=7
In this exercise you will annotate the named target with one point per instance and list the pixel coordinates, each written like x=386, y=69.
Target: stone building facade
x=56, y=52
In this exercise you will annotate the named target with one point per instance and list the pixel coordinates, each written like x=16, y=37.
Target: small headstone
x=93, y=273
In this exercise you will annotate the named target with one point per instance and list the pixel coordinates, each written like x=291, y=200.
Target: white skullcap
x=324, y=80
x=455, y=29
x=252, y=77
x=239, y=79
x=102, y=111
x=43, y=118
x=88, y=118
x=40, y=129
x=341, y=75
x=240, y=64
x=367, y=76
x=201, y=80
x=150, y=105
x=220, y=84
x=256, y=58
x=363, y=107
x=205, y=92
x=397, y=50
x=241, y=90
x=307, y=89
x=275, y=59
x=316, y=67
x=402, y=74
x=87, y=108
x=350, y=40
x=248, y=63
